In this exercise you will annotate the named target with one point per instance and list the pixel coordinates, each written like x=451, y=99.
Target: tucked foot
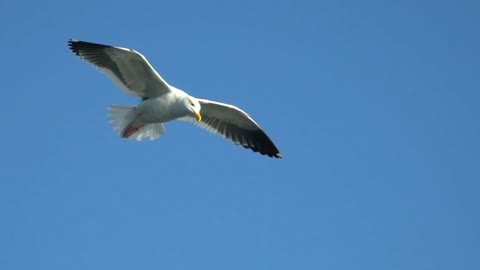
x=130, y=130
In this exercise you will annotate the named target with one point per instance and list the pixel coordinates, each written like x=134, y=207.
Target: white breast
x=161, y=109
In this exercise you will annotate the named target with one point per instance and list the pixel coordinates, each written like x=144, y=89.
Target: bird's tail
x=124, y=120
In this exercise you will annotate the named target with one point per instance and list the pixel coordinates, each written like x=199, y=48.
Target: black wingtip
x=73, y=45
x=262, y=144
x=266, y=146
x=77, y=45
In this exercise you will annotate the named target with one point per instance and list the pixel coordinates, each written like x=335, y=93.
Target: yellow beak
x=198, y=116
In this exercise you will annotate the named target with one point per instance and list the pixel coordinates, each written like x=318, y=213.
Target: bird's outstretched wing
x=235, y=125
x=128, y=69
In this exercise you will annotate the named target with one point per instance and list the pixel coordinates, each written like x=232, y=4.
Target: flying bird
x=160, y=102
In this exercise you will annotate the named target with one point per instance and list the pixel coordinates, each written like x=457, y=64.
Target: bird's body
x=161, y=102
x=164, y=108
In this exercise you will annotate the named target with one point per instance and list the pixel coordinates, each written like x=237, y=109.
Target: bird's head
x=194, y=107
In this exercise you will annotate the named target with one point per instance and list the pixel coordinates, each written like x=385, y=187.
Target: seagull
x=160, y=102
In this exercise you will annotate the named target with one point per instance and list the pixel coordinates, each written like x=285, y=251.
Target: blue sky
x=373, y=104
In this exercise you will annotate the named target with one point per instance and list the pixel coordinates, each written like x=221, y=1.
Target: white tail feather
x=121, y=116
x=154, y=131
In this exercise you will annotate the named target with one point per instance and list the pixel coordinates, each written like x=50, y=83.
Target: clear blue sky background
x=374, y=105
